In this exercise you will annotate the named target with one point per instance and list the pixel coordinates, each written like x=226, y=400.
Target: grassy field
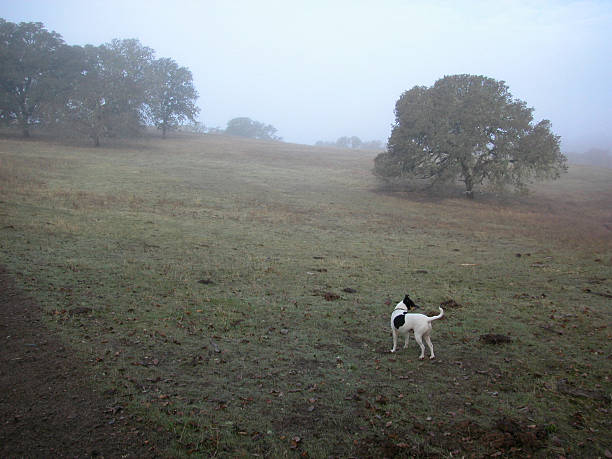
x=237, y=294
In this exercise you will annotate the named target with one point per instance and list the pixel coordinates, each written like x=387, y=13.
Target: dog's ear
x=409, y=303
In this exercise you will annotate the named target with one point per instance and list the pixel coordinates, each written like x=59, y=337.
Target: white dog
x=402, y=322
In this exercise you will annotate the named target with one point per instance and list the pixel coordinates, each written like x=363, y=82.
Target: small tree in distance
x=246, y=127
x=469, y=128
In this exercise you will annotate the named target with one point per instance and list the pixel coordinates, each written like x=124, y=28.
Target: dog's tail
x=439, y=316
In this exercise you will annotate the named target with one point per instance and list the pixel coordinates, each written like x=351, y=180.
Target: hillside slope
x=236, y=296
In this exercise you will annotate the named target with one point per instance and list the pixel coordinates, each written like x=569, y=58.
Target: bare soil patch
x=495, y=339
x=47, y=407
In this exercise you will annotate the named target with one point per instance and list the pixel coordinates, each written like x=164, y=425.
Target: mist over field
x=318, y=70
x=209, y=211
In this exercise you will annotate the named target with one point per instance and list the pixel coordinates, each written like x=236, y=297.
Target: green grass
x=255, y=357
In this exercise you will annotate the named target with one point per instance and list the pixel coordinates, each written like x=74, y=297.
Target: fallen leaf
x=295, y=442
x=381, y=399
x=330, y=296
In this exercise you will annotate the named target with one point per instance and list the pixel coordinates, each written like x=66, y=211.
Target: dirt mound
x=505, y=437
x=510, y=436
x=495, y=339
x=329, y=296
x=450, y=304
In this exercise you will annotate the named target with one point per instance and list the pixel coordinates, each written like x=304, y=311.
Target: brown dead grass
x=551, y=213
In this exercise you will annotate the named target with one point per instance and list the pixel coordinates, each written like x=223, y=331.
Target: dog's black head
x=409, y=303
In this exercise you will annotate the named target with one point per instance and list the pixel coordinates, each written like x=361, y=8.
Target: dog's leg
x=429, y=343
x=394, y=339
x=407, y=339
x=419, y=339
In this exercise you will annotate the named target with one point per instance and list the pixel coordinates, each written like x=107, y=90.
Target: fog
x=318, y=70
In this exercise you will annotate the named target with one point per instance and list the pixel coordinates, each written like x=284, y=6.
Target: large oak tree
x=469, y=128
x=30, y=71
x=171, y=95
x=109, y=92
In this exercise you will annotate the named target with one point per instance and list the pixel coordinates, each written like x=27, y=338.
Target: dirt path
x=47, y=409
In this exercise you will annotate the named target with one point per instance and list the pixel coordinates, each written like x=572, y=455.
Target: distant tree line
x=110, y=90
x=592, y=157
x=353, y=142
x=238, y=127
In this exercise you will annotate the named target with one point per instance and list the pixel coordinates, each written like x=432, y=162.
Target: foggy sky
x=318, y=70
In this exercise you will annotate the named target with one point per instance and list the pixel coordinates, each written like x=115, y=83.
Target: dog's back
x=405, y=321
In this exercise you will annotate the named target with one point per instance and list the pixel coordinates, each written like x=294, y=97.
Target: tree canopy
x=29, y=68
x=469, y=128
x=98, y=91
x=171, y=95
